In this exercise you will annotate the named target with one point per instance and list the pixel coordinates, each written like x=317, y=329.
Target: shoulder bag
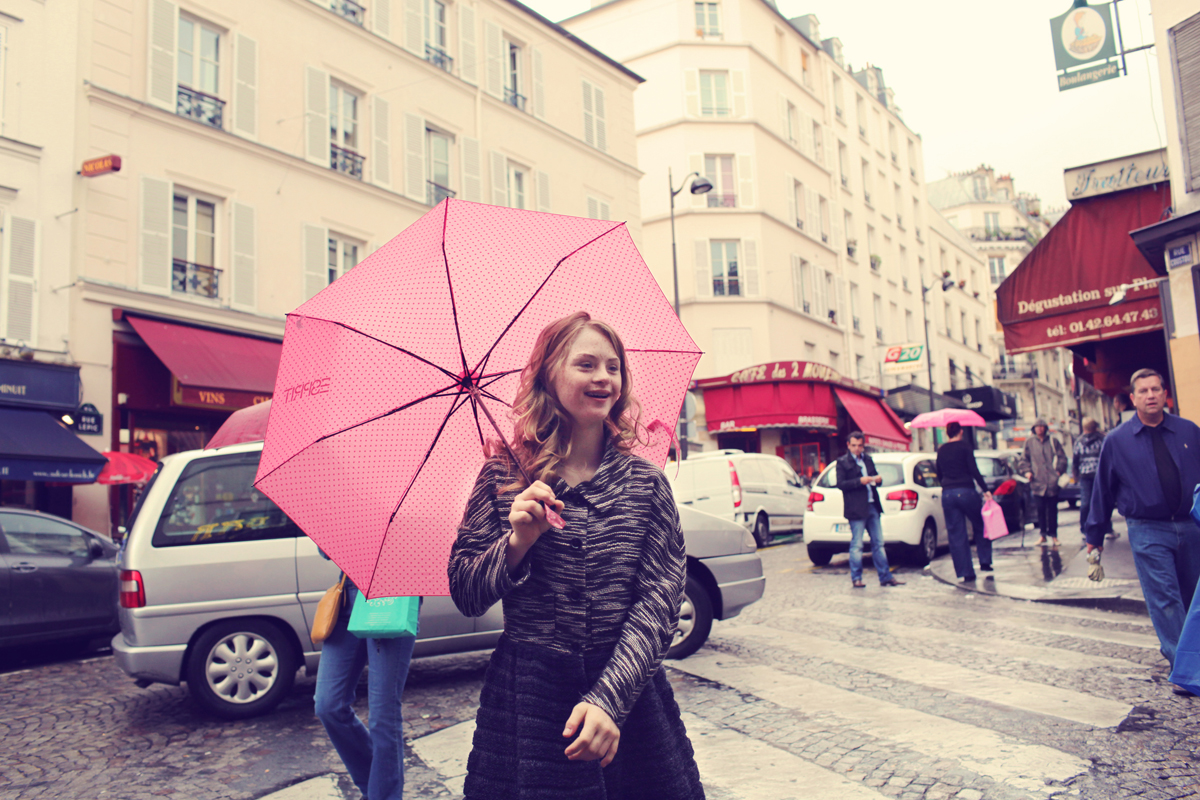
x=327, y=611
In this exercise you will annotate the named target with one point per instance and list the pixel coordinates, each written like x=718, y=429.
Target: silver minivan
x=762, y=492
x=218, y=587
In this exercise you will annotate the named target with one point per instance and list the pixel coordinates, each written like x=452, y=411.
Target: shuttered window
x=245, y=91
x=595, y=126
x=1185, y=53
x=20, y=273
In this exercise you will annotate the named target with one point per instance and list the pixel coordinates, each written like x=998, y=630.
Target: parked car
x=997, y=466
x=213, y=571
x=59, y=580
x=913, y=524
x=762, y=492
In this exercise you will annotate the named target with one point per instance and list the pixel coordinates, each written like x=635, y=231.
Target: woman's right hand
x=528, y=514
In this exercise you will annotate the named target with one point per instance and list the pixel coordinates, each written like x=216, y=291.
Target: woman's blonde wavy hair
x=541, y=426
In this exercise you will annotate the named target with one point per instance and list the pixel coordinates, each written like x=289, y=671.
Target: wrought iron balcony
x=350, y=10
x=198, y=279
x=435, y=193
x=347, y=161
x=200, y=106
x=1002, y=372
x=722, y=200
x=438, y=57
x=715, y=111
x=513, y=99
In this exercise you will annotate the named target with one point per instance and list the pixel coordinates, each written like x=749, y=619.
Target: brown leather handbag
x=327, y=611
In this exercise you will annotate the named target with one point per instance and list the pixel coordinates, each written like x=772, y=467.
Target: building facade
x=269, y=147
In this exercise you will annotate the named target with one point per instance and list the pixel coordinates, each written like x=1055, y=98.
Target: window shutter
x=543, y=191
x=245, y=87
x=750, y=267
x=696, y=165
x=539, y=86
x=20, y=282
x=745, y=173
x=806, y=136
x=156, y=236
x=472, y=168
x=691, y=92
x=493, y=52
x=161, y=81
x=605, y=213
x=316, y=259
x=1185, y=50
x=601, y=124
x=812, y=215
x=499, y=179
x=414, y=157
x=593, y=208
x=797, y=283
x=589, y=115
x=792, y=211
x=783, y=118
x=830, y=148
x=703, y=269
x=382, y=137
x=467, y=52
x=244, y=249
x=414, y=28
x=737, y=78
x=381, y=17
x=316, y=116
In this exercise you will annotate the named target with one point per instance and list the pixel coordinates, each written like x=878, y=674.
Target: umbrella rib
x=441, y=369
x=680, y=352
x=450, y=284
x=517, y=316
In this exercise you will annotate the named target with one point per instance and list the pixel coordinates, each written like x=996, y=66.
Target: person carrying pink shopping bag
x=994, y=525
x=958, y=473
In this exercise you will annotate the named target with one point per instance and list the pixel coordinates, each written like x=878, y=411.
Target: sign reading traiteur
x=1084, y=46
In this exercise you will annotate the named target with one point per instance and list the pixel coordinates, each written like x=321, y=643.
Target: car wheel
x=762, y=530
x=819, y=555
x=695, y=620
x=925, y=551
x=240, y=669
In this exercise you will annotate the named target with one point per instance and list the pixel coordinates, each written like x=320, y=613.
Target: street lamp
x=701, y=185
x=947, y=285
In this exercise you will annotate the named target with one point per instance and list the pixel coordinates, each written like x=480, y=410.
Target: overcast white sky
x=977, y=81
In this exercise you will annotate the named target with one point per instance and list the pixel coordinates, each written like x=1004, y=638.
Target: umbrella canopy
x=944, y=416
x=376, y=433
x=247, y=424
x=126, y=468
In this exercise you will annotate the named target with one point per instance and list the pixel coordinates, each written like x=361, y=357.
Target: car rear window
x=214, y=500
x=893, y=475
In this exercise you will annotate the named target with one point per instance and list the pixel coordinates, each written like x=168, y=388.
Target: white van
x=758, y=491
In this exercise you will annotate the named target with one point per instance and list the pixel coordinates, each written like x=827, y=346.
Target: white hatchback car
x=913, y=524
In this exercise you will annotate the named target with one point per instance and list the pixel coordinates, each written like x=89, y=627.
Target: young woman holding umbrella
x=575, y=702
x=958, y=473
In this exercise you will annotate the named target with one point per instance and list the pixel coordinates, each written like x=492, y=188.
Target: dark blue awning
x=34, y=447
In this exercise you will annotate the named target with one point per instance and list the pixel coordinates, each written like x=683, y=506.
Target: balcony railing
x=900, y=221
x=1011, y=371
x=895, y=157
x=435, y=193
x=838, y=111
x=198, y=279
x=878, y=334
x=438, y=57
x=806, y=307
x=824, y=237
x=200, y=106
x=862, y=131
x=715, y=111
x=904, y=283
x=349, y=10
x=867, y=198
x=857, y=323
x=722, y=200
x=800, y=223
x=912, y=171
x=514, y=99
x=845, y=182
x=347, y=161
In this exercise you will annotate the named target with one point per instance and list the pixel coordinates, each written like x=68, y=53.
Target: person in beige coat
x=1043, y=461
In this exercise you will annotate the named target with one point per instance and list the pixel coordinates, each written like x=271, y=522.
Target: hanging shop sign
x=100, y=166
x=902, y=359
x=1085, y=46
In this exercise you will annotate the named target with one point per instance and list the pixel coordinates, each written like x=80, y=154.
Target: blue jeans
x=374, y=757
x=873, y=526
x=1086, y=484
x=1167, y=557
x=959, y=506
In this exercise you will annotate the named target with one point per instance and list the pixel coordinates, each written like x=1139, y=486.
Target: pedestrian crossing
x=772, y=714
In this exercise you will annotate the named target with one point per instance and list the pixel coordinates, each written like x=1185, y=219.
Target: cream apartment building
x=813, y=244
x=267, y=148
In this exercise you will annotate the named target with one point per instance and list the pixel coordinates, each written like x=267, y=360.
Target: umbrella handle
x=551, y=515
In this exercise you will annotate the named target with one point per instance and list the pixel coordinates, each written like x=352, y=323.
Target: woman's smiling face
x=589, y=381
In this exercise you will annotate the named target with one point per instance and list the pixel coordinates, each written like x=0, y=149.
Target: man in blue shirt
x=859, y=482
x=1149, y=467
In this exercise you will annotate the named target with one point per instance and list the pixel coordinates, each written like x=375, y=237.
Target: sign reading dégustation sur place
x=1084, y=46
x=1127, y=172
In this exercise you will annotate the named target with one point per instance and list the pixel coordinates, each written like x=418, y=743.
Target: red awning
x=1060, y=293
x=766, y=405
x=874, y=419
x=212, y=369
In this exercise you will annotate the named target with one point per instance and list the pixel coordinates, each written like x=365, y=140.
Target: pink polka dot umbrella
x=393, y=377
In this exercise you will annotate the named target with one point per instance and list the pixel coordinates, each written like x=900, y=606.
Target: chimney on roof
x=809, y=25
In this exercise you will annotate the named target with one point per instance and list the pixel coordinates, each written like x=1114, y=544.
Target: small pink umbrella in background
x=944, y=416
x=244, y=425
x=393, y=378
x=126, y=468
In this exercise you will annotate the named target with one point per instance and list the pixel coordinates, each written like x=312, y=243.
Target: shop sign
x=1129, y=172
x=786, y=371
x=16, y=469
x=904, y=358
x=100, y=166
x=89, y=420
x=1179, y=256
x=1084, y=37
x=216, y=399
x=29, y=385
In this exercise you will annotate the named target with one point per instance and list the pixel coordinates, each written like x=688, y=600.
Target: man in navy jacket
x=859, y=482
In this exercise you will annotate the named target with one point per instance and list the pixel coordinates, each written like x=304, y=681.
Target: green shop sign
x=1085, y=42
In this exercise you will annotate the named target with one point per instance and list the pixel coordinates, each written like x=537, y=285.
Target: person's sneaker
x=967, y=579
x=1181, y=691
x=986, y=567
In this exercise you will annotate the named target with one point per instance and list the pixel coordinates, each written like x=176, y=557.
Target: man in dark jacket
x=859, y=482
x=1087, y=457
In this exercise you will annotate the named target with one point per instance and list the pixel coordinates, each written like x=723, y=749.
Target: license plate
x=841, y=527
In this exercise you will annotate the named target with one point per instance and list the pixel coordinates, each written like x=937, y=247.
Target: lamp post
x=947, y=284
x=701, y=185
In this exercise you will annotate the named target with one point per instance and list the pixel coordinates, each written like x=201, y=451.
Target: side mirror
x=95, y=549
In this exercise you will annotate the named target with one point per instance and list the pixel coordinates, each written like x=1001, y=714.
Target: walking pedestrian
x=1087, y=456
x=1149, y=467
x=1043, y=461
x=859, y=481
x=589, y=609
x=958, y=473
x=373, y=756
